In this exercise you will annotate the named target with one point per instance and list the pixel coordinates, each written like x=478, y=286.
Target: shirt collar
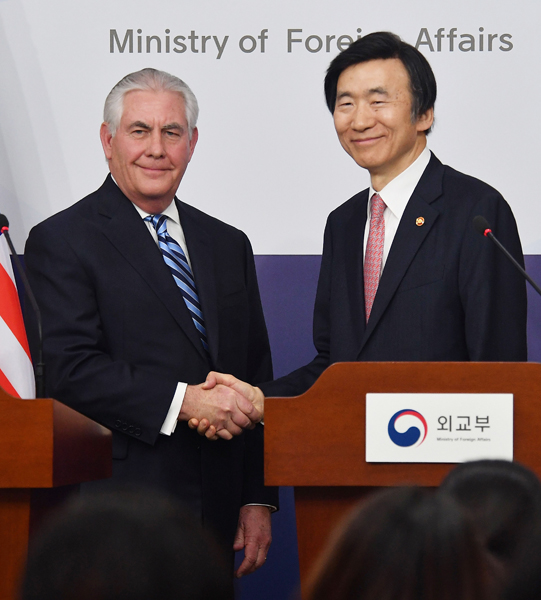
x=397, y=192
x=171, y=211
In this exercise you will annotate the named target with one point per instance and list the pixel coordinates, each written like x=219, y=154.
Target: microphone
x=481, y=225
x=39, y=367
x=4, y=224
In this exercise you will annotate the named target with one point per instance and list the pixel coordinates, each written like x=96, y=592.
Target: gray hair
x=148, y=79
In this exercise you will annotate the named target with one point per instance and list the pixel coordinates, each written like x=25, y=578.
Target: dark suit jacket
x=446, y=293
x=118, y=339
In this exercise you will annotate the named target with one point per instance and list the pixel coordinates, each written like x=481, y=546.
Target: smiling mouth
x=365, y=141
x=153, y=169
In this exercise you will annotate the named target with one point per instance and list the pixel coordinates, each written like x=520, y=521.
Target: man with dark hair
x=141, y=295
x=404, y=275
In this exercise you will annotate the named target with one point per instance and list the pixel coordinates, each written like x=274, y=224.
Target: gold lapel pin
x=419, y=221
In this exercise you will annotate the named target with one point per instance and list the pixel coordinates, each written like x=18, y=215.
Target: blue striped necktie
x=176, y=260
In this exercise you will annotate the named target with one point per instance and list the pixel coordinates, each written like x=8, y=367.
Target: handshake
x=222, y=406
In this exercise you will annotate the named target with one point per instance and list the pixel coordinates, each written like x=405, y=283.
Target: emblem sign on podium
x=438, y=428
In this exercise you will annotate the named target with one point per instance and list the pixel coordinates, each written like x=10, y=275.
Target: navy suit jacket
x=119, y=337
x=446, y=293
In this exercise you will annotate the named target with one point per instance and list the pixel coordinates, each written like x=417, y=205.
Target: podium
x=46, y=450
x=316, y=442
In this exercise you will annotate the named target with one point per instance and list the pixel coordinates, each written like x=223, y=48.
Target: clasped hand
x=222, y=406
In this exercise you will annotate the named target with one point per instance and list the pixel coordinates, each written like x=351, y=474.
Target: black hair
x=502, y=497
x=403, y=544
x=126, y=545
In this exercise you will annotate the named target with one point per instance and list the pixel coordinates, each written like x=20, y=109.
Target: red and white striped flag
x=16, y=373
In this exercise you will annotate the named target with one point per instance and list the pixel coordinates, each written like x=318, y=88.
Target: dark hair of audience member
x=504, y=500
x=125, y=546
x=525, y=576
x=403, y=544
x=386, y=45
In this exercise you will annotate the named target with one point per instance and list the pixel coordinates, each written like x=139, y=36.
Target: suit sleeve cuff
x=171, y=419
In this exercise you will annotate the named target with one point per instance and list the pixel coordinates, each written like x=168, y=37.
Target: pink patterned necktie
x=374, y=253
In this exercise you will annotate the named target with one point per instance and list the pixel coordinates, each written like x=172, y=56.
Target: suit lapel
x=125, y=229
x=407, y=241
x=355, y=230
x=200, y=247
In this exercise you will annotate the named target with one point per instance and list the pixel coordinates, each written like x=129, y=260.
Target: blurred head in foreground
x=124, y=546
x=403, y=544
x=503, y=499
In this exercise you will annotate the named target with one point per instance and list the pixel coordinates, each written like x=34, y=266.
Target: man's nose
x=363, y=117
x=155, y=144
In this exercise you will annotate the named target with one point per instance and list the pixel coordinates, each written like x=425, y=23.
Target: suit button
x=124, y=427
x=131, y=429
x=118, y=423
x=137, y=431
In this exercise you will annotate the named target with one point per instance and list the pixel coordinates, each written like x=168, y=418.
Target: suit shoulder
x=71, y=216
x=350, y=207
x=469, y=195
x=209, y=223
x=466, y=183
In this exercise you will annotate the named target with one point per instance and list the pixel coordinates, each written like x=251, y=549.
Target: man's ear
x=106, y=140
x=424, y=122
x=193, y=141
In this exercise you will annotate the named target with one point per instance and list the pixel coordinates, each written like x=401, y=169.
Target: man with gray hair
x=141, y=296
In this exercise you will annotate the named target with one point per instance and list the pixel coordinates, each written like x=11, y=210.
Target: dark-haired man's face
x=372, y=117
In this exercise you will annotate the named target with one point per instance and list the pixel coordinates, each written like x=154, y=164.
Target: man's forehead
x=377, y=74
x=150, y=101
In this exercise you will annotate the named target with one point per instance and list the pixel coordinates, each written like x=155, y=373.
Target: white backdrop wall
x=267, y=160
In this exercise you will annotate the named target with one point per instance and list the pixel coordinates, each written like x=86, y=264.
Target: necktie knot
x=159, y=222
x=378, y=207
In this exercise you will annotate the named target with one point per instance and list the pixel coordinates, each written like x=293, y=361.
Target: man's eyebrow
x=172, y=126
x=369, y=92
x=140, y=125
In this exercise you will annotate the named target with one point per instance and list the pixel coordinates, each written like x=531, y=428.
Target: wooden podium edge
x=307, y=437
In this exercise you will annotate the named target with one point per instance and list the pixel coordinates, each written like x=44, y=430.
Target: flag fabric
x=16, y=372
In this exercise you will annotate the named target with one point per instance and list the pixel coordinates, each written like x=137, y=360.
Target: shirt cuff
x=269, y=506
x=171, y=419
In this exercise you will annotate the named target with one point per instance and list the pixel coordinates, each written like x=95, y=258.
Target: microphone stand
x=481, y=225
